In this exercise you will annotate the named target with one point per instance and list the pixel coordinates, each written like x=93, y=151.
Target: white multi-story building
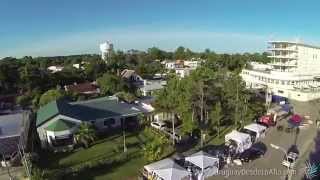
x=294, y=71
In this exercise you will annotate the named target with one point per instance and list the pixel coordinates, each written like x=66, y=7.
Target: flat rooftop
x=11, y=125
x=295, y=43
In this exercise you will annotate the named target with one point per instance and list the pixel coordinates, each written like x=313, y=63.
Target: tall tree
x=180, y=53
x=216, y=117
x=49, y=96
x=111, y=84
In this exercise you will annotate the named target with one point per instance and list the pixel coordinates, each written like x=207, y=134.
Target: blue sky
x=62, y=27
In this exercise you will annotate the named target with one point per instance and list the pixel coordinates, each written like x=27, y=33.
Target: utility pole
x=124, y=135
x=173, y=130
x=201, y=113
x=237, y=104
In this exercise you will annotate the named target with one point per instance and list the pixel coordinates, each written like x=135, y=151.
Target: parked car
x=158, y=125
x=290, y=162
x=267, y=120
x=251, y=154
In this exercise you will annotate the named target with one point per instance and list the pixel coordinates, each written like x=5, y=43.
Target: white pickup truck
x=291, y=160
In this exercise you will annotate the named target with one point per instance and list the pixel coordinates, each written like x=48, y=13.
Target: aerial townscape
x=145, y=104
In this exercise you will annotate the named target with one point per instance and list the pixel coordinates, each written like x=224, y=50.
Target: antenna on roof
x=297, y=39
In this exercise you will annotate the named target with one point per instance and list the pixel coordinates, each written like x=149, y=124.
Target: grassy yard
x=111, y=148
x=106, y=148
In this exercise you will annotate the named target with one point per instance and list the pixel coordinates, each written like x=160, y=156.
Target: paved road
x=270, y=165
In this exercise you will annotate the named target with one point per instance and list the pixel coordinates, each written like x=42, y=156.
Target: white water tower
x=106, y=48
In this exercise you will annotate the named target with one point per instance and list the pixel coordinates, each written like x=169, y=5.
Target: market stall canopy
x=159, y=164
x=243, y=140
x=296, y=118
x=237, y=136
x=203, y=160
x=255, y=127
x=172, y=172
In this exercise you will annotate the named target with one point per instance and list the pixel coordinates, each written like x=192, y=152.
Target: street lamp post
x=285, y=152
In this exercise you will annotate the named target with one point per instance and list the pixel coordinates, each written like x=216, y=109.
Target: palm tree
x=155, y=149
x=85, y=134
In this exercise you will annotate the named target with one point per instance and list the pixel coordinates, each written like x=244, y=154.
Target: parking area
x=269, y=166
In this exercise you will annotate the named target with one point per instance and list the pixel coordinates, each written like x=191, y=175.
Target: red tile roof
x=83, y=88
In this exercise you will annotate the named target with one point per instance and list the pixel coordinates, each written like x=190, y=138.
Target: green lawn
x=110, y=148
x=107, y=148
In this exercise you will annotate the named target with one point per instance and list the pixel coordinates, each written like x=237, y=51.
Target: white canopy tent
x=172, y=172
x=166, y=169
x=257, y=128
x=158, y=165
x=243, y=140
x=209, y=165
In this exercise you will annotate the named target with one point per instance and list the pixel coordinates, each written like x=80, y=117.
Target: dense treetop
x=29, y=76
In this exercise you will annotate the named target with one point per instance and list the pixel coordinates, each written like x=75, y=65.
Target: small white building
x=54, y=69
x=183, y=68
x=183, y=72
x=170, y=65
x=192, y=64
x=150, y=86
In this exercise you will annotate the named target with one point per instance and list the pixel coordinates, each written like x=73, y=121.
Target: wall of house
x=43, y=133
x=106, y=123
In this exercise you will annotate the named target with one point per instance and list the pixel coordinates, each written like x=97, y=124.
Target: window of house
x=109, y=122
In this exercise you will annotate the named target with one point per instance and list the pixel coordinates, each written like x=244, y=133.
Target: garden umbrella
x=296, y=118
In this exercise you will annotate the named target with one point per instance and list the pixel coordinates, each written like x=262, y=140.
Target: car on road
x=158, y=125
x=251, y=154
x=291, y=160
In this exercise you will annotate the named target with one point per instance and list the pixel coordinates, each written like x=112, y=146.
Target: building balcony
x=285, y=49
x=289, y=64
x=284, y=56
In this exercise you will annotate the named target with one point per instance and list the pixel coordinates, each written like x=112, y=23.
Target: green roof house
x=59, y=120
